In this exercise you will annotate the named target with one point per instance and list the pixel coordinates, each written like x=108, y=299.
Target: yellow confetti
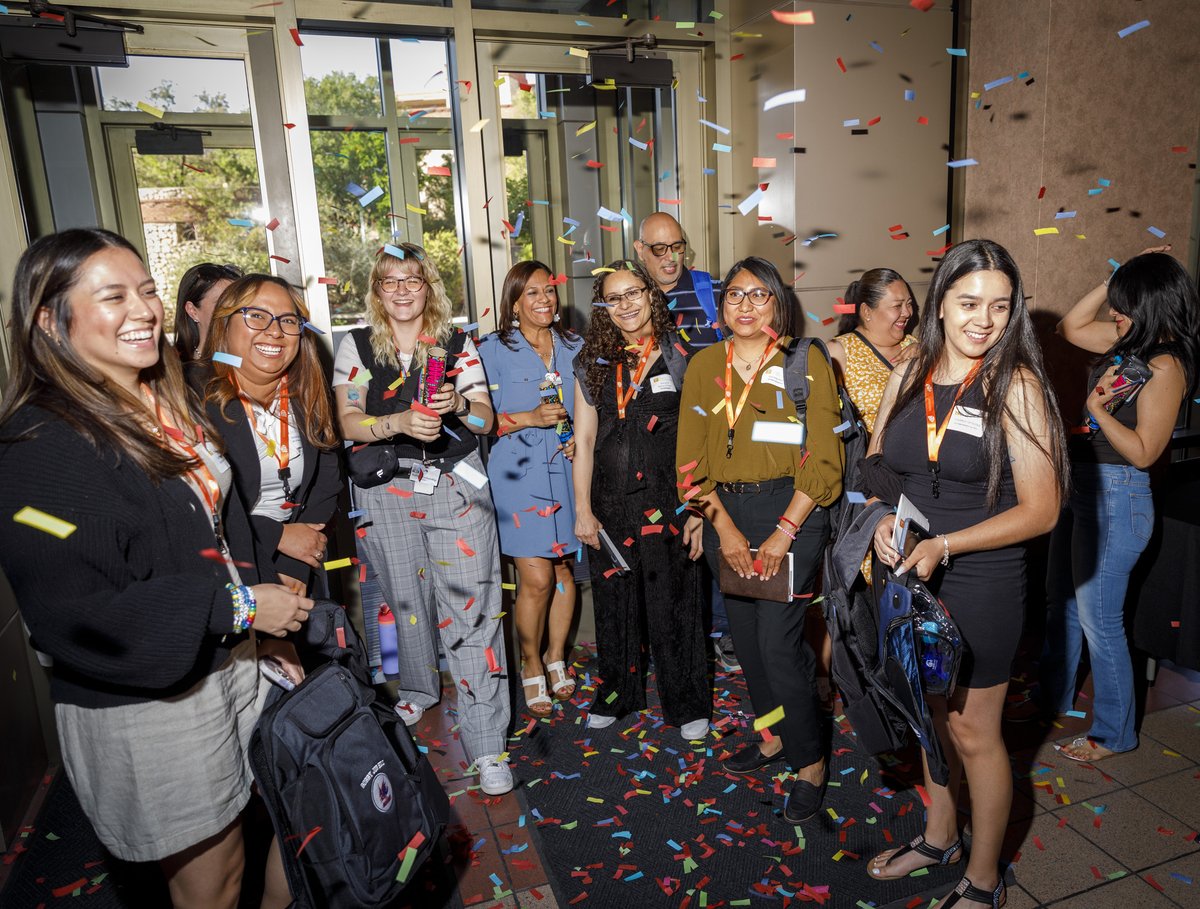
x=47, y=523
x=338, y=563
x=566, y=241
x=768, y=719
x=504, y=586
x=592, y=798
x=480, y=125
x=396, y=384
x=369, y=421
x=720, y=406
x=601, y=270
x=412, y=619
x=1044, y=231
x=414, y=209
x=585, y=128
x=151, y=109
x=577, y=52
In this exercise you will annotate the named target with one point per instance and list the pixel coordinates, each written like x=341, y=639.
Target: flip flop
x=1084, y=750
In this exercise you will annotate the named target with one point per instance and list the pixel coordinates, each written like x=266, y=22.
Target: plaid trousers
x=439, y=566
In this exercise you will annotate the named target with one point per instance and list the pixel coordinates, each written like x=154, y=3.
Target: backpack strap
x=795, y=370
x=703, y=283
x=871, y=347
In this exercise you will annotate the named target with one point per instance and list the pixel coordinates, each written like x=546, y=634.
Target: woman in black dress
x=628, y=377
x=974, y=434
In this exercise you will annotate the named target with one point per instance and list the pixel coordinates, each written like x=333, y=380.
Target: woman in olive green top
x=768, y=496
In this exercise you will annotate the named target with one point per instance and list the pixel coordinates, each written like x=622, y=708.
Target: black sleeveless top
x=1094, y=447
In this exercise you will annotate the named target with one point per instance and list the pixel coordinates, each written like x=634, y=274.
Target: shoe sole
x=774, y=760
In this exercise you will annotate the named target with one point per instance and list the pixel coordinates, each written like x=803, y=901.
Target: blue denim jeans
x=1102, y=532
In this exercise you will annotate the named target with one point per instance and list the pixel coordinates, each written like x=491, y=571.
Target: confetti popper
x=549, y=394
x=435, y=374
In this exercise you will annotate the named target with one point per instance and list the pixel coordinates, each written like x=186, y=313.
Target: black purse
x=372, y=465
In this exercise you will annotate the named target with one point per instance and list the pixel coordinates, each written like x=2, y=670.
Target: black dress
x=659, y=602
x=983, y=591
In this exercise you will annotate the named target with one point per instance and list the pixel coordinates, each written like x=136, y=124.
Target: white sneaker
x=695, y=730
x=495, y=777
x=596, y=721
x=409, y=712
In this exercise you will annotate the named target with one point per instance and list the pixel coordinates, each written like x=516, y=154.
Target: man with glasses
x=663, y=250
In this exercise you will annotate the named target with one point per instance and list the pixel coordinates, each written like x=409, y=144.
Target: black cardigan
x=126, y=605
x=316, y=493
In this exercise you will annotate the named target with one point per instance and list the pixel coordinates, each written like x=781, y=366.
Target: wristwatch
x=466, y=408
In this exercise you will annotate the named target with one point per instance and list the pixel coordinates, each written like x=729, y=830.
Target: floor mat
x=632, y=814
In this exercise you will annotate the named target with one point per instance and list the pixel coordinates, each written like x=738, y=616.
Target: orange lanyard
x=282, y=452
x=200, y=475
x=732, y=415
x=623, y=397
x=935, y=433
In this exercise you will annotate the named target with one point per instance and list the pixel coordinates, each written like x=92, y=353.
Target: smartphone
x=272, y=669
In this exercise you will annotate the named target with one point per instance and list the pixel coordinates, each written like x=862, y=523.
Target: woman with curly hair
x=628, y=377
x=429, y=528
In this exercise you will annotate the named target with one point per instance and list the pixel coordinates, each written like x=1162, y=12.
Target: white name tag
x=773, y=375
x=782, y=433
x=968, y=420
x=661, y=383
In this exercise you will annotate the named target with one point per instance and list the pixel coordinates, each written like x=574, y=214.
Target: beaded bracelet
x=945, y=550
x=244, y=607
x=787, y=533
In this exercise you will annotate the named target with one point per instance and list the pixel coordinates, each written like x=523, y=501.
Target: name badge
x=968, y=420
x=424, y=478
x=217, y=457
x=662, y=383
x=773, y=375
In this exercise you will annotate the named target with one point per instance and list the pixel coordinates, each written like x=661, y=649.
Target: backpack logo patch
x=381, y=793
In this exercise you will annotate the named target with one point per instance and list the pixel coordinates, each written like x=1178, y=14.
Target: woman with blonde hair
x=269, y=400
x=411, y=394
x=132, y=566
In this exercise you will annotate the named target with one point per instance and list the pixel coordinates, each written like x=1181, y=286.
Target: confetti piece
x=996, y=83
x=962, y=162
x=367, y=198
x=797, y=18
x=719, y=147
x=478, y=127
x=723, y=130
x=763, y=162
x=151, y=109
x=1130, y=29
x=239, y=222
x=47, y=523
x=1158, y=233
x=1045, y=231
x=230, y=359
x=956, y=51
x=795, y=96
x=466, y=550
x=295, y=33
x=923, y=6
x=338, y=563
x=768, y=719
x=1062, y=215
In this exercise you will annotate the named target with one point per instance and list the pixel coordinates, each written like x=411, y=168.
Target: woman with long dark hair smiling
x=628, y=377
x=973, y=435
x=1147, y=317
x=768, y=496
x=528, y=359
x=133, y=567
x=199, y=289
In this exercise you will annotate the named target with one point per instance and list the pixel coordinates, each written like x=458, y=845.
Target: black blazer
x=317, y=488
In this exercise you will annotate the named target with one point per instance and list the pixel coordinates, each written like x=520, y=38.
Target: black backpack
x=348, y=792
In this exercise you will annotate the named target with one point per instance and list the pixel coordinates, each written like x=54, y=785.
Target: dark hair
x=867, y=291
x=307, y=387
x=49, y=373
x=783, y=322
x=1159, y=298
x=195, y=283
x=604, y=341
x=514, y=285
x=1017, y=350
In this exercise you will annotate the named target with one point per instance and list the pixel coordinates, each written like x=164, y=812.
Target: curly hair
x=438, y=308
x=604, y=341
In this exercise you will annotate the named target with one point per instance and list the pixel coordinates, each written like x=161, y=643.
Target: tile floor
x=1121, y=833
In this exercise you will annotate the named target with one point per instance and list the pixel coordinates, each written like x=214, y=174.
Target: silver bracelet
x=945, y=549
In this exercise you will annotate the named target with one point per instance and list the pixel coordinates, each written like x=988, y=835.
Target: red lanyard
x=732, y=415
x=200, y=475
x=935, y=433
x=623, y=397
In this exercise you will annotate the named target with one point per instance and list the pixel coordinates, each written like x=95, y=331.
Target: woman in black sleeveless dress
x=626, y=422
x=975, y=438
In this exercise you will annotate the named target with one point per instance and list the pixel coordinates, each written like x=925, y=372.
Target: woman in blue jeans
x=1147, y=312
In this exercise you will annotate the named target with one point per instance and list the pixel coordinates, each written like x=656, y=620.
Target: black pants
x=769, y=637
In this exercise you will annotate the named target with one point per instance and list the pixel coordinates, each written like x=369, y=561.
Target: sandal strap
x=922, y=847
x=540, y=696
x=966, y=891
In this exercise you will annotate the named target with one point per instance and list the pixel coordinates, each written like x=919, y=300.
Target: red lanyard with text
x=281, y=452
x=935, y=433
x=200, y=475
x=624, y=398
x=732, y=415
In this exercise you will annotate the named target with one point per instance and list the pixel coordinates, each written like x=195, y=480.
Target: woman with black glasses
x=199, y=289
x=769, y=497
x=266, y=393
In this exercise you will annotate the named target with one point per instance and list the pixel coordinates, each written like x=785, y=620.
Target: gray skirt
x=159, y=777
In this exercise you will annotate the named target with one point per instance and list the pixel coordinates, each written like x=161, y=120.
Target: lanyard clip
x=935, y=487
x=729, y=444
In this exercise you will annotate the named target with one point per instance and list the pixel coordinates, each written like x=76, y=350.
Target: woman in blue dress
x=530, y=472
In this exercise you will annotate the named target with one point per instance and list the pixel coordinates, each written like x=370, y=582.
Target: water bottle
x=389, y=644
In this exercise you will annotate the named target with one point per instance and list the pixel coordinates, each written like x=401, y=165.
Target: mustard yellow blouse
x=866, y=375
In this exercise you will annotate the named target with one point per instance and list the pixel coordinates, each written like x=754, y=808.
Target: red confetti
x=596, y=165
x=308, y=839
x=1179, y=149
x=282, y=259
x=462, y=544
x=924, y=795
x=938, y=252
x=422, y=409
x=873, y=121
x=419, y=515
x=438, y=171
x=653, y=422
x=924, y=121
x=490, y=655
x=327, y=281
x=410, y=140
x=841, y=65
x=403, y=493
x=922, y=5
x=272, y=224
x=651, y=529
x=1042, y=193
x=68, y=888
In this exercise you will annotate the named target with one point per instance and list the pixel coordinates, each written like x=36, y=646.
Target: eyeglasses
x=632, y=295
x=260, y=320
x=660, y=249
x=758, y=296
x=412, y=283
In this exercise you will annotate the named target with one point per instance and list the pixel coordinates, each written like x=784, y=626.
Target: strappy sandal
x=922, y=848
x=966, y=892
x=562, y=684
x=540, y=704
x=1084, y=750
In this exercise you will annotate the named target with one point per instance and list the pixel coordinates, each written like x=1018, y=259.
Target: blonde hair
x=438, y=308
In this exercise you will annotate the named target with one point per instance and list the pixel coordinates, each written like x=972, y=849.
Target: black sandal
x=968, y=892
x=919, y=846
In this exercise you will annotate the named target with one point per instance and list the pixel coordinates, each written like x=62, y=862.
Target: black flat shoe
x=749, y=759
x=805, y=800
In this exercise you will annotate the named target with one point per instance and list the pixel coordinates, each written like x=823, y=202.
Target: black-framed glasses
x=758, y=296
x=661, y=249
x=632, y=296
x=260, y=320
x=411, y=283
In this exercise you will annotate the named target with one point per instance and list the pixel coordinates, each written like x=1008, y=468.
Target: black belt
x=761, y=486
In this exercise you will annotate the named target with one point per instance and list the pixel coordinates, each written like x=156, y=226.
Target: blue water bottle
x=389, y=644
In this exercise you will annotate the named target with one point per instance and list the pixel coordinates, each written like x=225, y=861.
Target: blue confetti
x=874, y=45
x=1158, y=233
x=370, y=197
x=956, y=51
x=708, y=170
x=517, y=227
x=313, y=328
x=855, y=498
x=1059, y=216
x=394, y=251
x=232, y=359
x=962, y=162
x=910, y=95
x=1104, y=182
x=996, y=83
x=941, y=230
x=1130, y=29
x=636, y=144
x=853, y=122
x=718, y=147
x=354, y=189
x=240, y=222
x=724, y=131
x=843, y=426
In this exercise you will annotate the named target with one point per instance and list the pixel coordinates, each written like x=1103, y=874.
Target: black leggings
x=769, y=637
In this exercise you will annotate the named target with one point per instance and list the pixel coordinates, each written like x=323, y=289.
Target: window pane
x=180, y=84
x=187, y=204
x=421, y=79
x=668, y=10
x=351, y=167
x=435, y=182
x=518, y=96
x=341, y=76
